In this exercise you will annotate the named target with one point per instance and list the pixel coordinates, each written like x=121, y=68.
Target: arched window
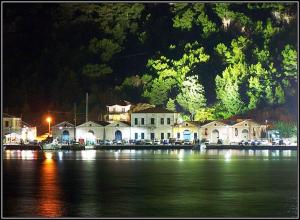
x=254, y=133
x=236, y=132
x=205, y=132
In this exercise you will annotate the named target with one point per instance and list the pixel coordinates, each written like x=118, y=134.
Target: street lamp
x=49, y=119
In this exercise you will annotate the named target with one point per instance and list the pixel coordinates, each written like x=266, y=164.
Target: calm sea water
x=150, y=183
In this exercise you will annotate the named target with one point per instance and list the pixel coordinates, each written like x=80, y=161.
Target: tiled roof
x=103, y=123
x=155, y=110
x=121, y=102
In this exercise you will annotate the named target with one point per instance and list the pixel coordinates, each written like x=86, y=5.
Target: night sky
x=45, y=50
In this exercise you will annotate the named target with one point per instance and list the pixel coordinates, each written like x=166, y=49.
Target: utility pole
x=86, y=107
x=74, y=121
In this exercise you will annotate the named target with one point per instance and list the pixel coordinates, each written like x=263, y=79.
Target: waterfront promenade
x=152, y=147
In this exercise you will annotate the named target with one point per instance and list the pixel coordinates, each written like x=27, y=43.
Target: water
x=150, y=183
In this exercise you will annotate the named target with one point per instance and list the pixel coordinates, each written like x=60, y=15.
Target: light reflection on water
x=150, y=183
x=176, y=154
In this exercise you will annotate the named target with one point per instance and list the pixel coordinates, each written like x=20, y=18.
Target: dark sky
x=43, y=60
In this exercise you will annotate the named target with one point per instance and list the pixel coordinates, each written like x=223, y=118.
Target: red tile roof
x=155, y=110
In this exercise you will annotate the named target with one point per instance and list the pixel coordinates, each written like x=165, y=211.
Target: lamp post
x=49, y=119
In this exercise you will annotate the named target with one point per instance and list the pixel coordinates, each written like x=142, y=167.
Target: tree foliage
x=286, y=129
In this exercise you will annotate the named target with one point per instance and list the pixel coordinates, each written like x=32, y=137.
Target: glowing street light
x=49, y=119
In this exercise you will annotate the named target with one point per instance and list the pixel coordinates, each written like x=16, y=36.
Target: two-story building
x=153, y=123
x=118, y=111
x=12, y=124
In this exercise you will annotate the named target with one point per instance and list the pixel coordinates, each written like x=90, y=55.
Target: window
x=195, y=136
x=162, y=121
x=245, y=124
x=152, y=121
x=205, y=132
x=123, y=109
x=254, y=133
x=169, y=135
x=178, y=135
x=168, y=121
x=6, y=124
x=142, y=121
x=142, y=135
x=152, y=136
x=135, y=121
x=236, y=132
x=162, y=136
x=114, y=109
x=215, y=124
x=135, y=136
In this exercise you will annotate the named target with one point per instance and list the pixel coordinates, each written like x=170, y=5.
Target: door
x=118, y=135
x=245, y=134
x=215, y=136
x=65, y=136
x=187, y=135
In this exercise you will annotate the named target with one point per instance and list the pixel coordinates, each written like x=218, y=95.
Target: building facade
x=118, y=131
x=153, y=123
x=63, y=132
x=90, y=133
x=12, y=125
x=186, y=131
x=119, y=111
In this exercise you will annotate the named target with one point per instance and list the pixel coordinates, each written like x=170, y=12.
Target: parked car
x=265, y=142
x=243, y=142
x=165, y=142
x=187, y=142
x=132, y=141
x=156, y=142
x=255, y=142
x=139, y=142
x=178, y=142
x=277, y=142
x=148, y=142
x=172, y=141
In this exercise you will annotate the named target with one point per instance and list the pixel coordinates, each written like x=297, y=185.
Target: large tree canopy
x=243, y=55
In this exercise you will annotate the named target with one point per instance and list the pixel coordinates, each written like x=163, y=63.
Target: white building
x=231, y=130
x=117, y=130
x=12, y=124
x=119, y=111
x=153, y=123
x=90, y=132
x=187, y=130
x=63, y=132
x=16, y=131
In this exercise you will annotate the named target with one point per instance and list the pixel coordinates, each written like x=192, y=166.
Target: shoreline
x=153, y=147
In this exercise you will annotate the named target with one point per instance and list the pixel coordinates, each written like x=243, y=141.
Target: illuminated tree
x=286, y=129
x=191, y=96
x=171, y=105
x=169, y=74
